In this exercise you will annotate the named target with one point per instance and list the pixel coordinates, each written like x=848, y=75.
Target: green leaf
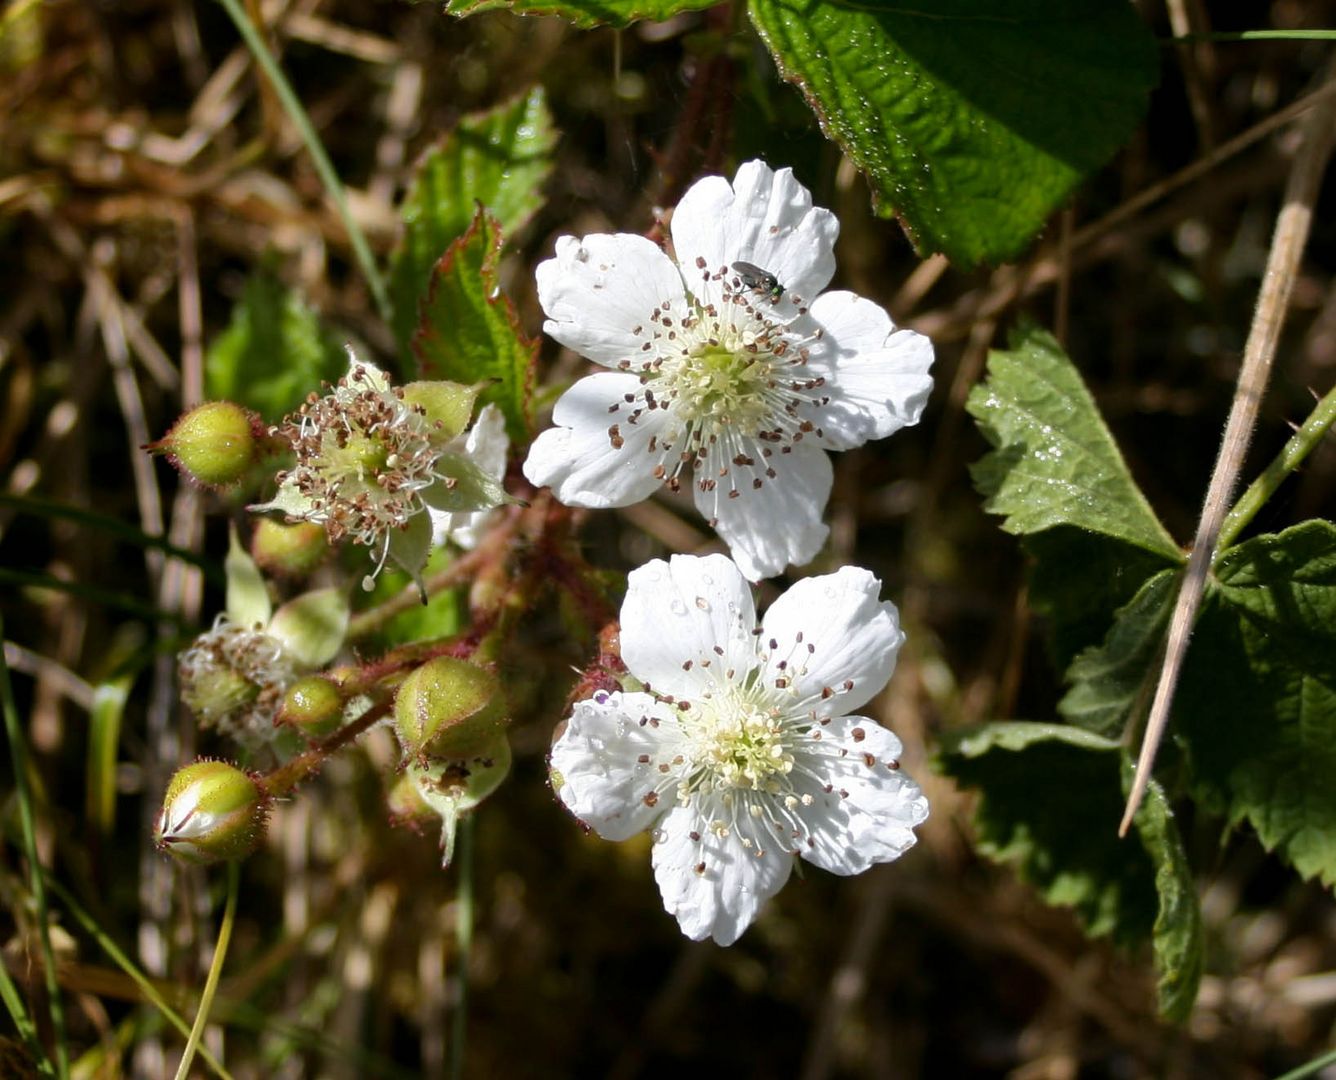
x=274, y=352
x=1078, y=580
x=585, y=13
x=1050, y=804
x=500, y=158
x=1177, y=934
x=1050, y=800
x=1055, y=462
x=1109, y=680
x=1256, y=705
x=470, y=332
x=972, y=119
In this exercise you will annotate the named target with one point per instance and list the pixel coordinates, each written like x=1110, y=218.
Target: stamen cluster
x=363, y=456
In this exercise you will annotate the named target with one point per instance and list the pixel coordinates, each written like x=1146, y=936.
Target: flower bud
x=214, y=443
x=313, y=706
x=212, y=812
x=289, y=550
x=448, y=708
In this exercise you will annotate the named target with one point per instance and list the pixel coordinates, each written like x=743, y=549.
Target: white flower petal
x=832, y=630
x=603, y=782
x=577, y=458
x=779, y=523
x=712, y=885
x=765, y=218
x=869, y=813
x=599, y=290
x=876, y=376
x=686, y=623
x=487, y=445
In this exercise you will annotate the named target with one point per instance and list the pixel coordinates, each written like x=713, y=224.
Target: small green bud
x=214, y=443
x=212, y=812
x=313, y=706
x=448, y=708
x=289, y=550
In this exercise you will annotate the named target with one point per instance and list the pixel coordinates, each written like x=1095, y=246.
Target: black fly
x=758, y=280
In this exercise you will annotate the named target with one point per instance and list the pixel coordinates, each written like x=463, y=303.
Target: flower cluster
x=741, y=752
x=728, y=360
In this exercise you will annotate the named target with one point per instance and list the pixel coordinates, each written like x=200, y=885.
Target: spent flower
x=741, y=753
x=727, y=360
x=372, y=459
x=233, y=677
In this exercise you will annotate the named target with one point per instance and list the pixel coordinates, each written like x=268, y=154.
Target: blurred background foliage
x=149, y=180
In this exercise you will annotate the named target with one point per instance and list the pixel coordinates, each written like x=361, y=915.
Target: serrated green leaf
x=1050, y=798
x=1177, y=934
x=1285, y=584
x=1256, y=705
x=1055, y=462
x=273, y=353
x=585, y=13
x=1050, y=804
x=499, y=158
x=469, y=331
x=1109, y=679
x=972, y=119
x=1077, y=582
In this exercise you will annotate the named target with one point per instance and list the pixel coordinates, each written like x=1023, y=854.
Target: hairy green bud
x=212, y=812
x=448, y=708
x=214, y=444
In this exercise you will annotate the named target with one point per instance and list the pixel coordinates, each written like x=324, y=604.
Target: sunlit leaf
x=1055, y=462
x=973, y=120
x=499, y=158
x=470, y=332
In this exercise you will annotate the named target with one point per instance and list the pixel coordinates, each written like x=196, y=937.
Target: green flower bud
x=313, y=706
x=448, y=708
x=214, y=444
x=212, y=812
x=289, y=550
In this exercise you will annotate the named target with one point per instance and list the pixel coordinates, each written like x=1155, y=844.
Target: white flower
x=486, y=445
x=740, y=753
x=729, y=360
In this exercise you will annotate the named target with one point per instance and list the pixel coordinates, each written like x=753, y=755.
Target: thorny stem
x=215, y=970
x=18, y=754
x=286, y=777
x=323, y=166
x=1287, y=245
x=1300, y=445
